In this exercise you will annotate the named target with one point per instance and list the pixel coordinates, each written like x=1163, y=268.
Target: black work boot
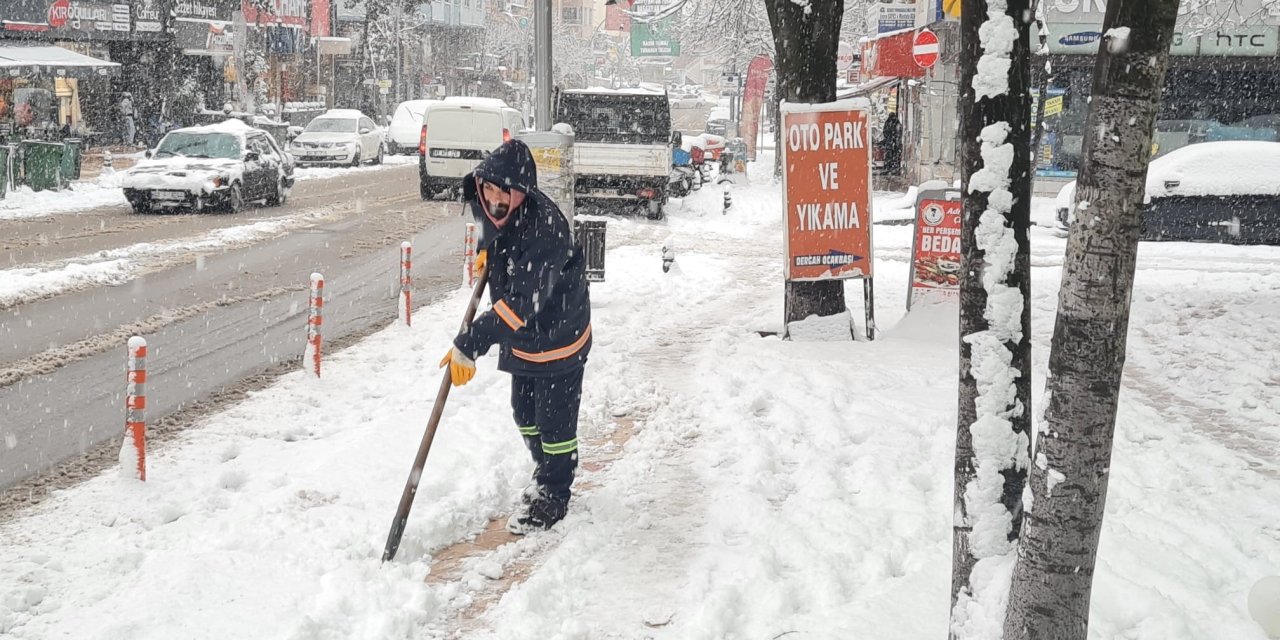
x=542, y=514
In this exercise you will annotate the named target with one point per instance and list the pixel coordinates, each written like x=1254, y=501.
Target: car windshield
x=332, y=125
x=199, y=145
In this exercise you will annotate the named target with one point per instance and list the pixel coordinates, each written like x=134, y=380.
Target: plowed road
x=217, y=306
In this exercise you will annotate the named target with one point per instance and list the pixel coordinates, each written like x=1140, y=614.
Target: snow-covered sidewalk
x=769, y=487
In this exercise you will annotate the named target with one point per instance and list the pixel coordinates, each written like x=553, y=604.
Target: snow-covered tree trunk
x=806, y=36
x=1054, y=572
x=993, y=443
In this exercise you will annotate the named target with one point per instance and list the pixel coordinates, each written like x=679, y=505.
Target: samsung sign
x=1075, y=26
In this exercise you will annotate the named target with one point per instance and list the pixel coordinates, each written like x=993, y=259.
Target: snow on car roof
x=1229, y=168
x=342, y=113
x=1237, y=167
x=476, y=102
x=234, y=127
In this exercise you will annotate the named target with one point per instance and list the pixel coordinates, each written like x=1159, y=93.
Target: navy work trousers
x=546, y=412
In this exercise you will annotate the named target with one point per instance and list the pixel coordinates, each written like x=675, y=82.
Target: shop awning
x=889, y=55
x=867, y=88
x=52, y=61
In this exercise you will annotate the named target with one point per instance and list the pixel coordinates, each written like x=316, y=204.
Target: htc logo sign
x=1256, y=40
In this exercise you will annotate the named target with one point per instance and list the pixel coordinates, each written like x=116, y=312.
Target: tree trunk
x=995, y=294
x=1054, y=571
x=806, y=38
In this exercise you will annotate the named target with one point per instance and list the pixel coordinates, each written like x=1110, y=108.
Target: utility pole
x=542, y=48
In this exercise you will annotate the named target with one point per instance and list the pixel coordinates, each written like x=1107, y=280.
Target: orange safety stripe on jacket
x=508, y=316
x=555, y=354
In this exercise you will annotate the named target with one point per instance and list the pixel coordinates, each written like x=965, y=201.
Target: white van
x=456, y=135
x=406, y=126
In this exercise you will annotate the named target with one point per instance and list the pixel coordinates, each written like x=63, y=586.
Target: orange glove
x=482, y=259
x=461, y=368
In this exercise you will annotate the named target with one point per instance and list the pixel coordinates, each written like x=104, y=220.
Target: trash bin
x=70, y=160
x=590, y=235
x=6, y=156
x=42, y=165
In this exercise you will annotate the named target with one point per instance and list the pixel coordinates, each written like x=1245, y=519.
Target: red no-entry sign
x=924, y=48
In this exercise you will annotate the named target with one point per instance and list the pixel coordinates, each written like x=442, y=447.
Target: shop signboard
x=214, y=10
x=935, y=250
x=287, y=13
x=148, y=17
x=827, y=190
x=75, y=20
x=204, y=37
x=1217, y=28
x=654, y=39
x=886, y=18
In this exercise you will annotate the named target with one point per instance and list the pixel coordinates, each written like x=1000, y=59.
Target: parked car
x=1212, y=191
x=456, y=135
x=719, y=123
x=405, y=131
x=339, y=137
x=622, y=147
x=220, y=166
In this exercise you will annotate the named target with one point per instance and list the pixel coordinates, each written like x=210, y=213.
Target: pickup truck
x=621, y=149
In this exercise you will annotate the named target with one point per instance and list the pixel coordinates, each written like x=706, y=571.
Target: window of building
x=572, y=15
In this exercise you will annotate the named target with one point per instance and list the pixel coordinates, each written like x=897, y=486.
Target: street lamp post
x=542, y=45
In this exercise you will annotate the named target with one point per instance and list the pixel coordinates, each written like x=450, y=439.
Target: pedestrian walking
x=891, y=142
x=128, y=118
x=540, y=320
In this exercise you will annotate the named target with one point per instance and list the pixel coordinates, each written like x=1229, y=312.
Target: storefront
x=1223, y=81
x=40, y=89
x=889, y=73
x=107, y=31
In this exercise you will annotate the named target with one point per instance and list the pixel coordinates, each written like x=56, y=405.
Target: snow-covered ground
x=105, y=191
x=771, y=489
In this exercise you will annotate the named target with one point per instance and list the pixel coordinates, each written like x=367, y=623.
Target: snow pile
x=103, y=191
x=770, y=489
x=997, y=35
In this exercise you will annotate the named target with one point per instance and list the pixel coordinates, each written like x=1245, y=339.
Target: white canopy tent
x=26, y=60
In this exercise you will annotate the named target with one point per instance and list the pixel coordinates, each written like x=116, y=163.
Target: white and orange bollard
x=405, y=308
x=315, y=318
x=133, y=451
x=469, y=253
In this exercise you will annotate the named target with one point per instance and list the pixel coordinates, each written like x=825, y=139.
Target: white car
x=405, y=131
x=340, y=136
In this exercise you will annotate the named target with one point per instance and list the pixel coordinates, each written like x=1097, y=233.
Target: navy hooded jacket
x=541, y=315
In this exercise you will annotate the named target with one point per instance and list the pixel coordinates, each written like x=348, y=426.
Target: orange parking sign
x=826, y=163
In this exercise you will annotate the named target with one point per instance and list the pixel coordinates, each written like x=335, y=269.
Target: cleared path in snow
x=211, y=317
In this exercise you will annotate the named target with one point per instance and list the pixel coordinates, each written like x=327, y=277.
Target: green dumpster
x=42, y=165
x=70, y=160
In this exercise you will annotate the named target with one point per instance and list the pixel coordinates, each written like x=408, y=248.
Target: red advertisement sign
x=753, y=101
x=827, y=190
x=287, y=13
x=935, y=255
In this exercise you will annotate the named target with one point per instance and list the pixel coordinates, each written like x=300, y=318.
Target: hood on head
x=510, y=165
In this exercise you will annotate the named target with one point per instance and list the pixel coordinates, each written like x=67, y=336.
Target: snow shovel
x=411, y=486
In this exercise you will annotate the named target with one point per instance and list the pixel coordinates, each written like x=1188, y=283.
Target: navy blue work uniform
x=541, y=315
